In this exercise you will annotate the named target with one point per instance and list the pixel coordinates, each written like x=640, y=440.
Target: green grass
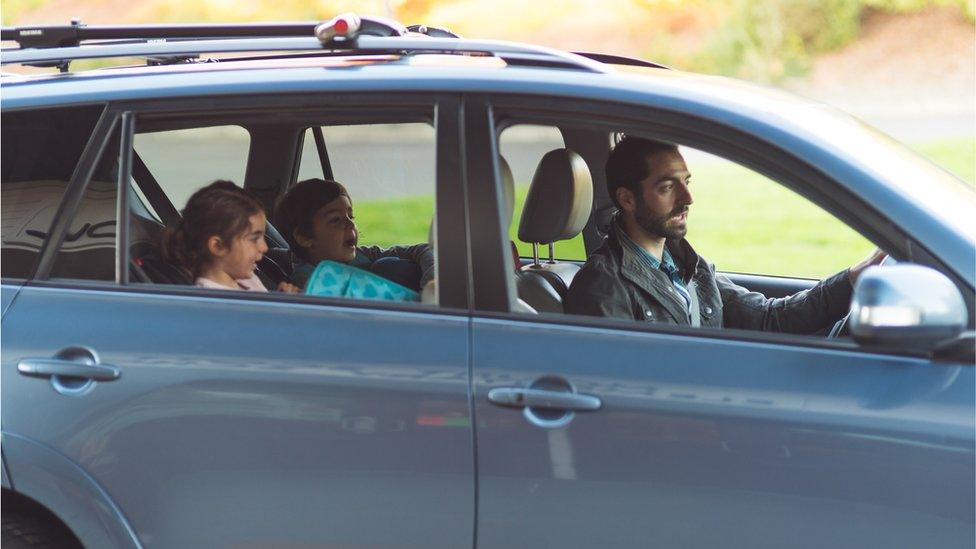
x=740, y=221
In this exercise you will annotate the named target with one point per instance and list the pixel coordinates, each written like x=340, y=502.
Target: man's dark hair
x=296, y=209
x=627, y=165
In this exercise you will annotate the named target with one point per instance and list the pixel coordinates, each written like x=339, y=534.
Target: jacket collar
x=656, y=283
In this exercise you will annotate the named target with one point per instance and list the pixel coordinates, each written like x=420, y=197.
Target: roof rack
x=61, y=36
x=60, y=45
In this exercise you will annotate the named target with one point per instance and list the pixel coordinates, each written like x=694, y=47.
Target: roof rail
x=122, y=45
x=620, y=60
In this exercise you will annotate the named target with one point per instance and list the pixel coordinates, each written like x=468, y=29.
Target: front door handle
x=72, y=362
x=517, y=397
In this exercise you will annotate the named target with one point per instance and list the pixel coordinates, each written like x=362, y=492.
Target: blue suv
x=139, y=410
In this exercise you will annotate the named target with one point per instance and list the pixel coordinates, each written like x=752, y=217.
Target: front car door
x=231, y=418
x=709, y=438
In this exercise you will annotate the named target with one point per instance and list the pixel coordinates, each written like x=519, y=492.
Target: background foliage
x=759, y=40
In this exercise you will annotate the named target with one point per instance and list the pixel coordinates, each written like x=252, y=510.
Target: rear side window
x=389, y=171
x=40, y=149
x=182, y=161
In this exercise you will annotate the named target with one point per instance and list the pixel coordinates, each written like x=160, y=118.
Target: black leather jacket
x=612, y=283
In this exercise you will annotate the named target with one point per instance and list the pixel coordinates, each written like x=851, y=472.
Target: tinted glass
x=40, y=151
x=88, y=249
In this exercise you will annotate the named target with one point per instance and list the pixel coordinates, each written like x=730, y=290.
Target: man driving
x=646, y=270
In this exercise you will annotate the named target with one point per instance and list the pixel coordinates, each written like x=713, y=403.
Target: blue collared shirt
x=666, y=264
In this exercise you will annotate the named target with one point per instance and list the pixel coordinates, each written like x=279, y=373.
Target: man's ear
x=301, y=240
x=216, y=246
x=626, y=199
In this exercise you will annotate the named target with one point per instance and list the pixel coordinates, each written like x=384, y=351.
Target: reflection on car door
x=705, y=442
x=254, y=422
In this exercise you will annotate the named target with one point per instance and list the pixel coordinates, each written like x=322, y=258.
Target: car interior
x=566, y=186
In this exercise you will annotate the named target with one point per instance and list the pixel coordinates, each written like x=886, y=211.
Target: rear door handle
x=517, y=397
x=75, y=362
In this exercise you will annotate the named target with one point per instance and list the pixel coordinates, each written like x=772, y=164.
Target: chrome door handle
x=72, y=362
x=47, y=367
x=517, y=397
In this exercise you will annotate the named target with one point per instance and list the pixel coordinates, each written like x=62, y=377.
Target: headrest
x=560, y=199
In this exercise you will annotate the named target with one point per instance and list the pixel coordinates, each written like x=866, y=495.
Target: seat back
x=557, y=207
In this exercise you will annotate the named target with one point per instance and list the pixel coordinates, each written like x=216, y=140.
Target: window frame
x=452, y=233
x=733, y=144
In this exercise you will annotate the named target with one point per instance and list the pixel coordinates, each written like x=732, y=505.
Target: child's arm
x=421, y=254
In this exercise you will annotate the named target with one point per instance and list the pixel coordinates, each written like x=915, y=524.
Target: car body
x=237, y=419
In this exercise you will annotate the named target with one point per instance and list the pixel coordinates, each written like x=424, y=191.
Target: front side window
x=684, y=238
x=745, y=222
x=522, y=149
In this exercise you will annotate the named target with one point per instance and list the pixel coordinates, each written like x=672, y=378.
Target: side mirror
x=907, y=307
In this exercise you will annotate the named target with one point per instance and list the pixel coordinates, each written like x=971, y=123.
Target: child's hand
x=289, y=288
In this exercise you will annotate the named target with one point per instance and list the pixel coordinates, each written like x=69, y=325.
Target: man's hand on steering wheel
x=875, y=258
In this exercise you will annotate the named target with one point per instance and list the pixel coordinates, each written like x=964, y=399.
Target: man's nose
x=262, y=246
x=686, y=197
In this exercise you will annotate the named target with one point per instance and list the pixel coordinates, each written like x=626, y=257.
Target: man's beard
x=658, y=225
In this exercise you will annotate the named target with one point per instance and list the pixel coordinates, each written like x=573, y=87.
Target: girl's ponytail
x=174, y=248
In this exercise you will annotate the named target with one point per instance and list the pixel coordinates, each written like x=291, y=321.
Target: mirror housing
x=908, y=307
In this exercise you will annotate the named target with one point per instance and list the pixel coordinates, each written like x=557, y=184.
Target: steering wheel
x=840, y=328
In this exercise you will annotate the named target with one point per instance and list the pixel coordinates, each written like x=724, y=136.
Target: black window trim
x=452, y=232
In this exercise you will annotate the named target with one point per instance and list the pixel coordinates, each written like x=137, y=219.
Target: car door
x=210, y=418
x=648, y=436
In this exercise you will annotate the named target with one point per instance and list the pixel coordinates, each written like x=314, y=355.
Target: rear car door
x=682, y=437
x=188, y=417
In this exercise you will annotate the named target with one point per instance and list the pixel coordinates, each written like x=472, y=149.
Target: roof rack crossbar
x=51, y=36
x=362, y=44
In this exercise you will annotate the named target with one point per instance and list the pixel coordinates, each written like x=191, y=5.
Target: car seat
x=557, y=207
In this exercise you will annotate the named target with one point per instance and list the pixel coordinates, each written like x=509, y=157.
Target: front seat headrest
x=559, y=200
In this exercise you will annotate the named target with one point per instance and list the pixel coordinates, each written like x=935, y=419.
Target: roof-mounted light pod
x=344, y=26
